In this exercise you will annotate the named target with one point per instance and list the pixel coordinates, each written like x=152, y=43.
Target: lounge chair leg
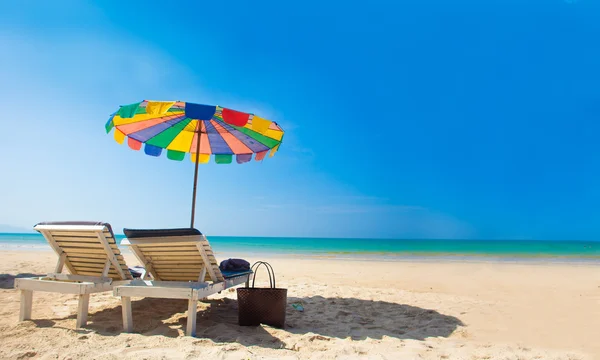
x=82, y=310
x=127, y=317
x=26, y=303
x=191, y=318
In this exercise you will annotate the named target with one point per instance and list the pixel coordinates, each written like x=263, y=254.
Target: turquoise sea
x=388, y=249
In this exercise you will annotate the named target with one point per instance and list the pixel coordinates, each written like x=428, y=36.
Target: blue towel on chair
x=228, y=274
x=234, y=265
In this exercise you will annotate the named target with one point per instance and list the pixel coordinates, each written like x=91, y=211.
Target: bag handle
x=269, y=271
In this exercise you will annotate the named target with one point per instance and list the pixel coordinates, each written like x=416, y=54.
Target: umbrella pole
x=195, y=178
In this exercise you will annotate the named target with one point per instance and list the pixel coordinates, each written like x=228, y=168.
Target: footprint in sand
x=27, y=355
x=342, y=313
x=318, y=337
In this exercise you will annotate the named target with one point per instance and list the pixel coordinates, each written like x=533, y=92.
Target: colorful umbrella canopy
x=175, y=126
x=201, y=130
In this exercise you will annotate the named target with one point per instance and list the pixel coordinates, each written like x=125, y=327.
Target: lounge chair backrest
x=176, y=258
x=85, y=248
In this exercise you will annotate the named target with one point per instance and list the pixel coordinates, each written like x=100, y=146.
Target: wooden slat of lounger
x=90, y=245
x=83, y=239
x=179, y=269
x=123, y=264
x=180, y=273
x=172, y=252
x=173, y=258
x=96, y=261
x=94, y=269
x=95, y=265
x=179, y=278
x=112, y=275
x=210, y=255
x=86, y=260
x=173, y=246
x=193, y=249
x=147, y=250
x=88, y=268
x=176, y=268
x=208, y=250
x=178, y=261
x=215, y=266
x=90, y=272
x=90, y=251
x=213, y=273
x=78, y=232
x=81, y=253
x=178, y=265
x=73, y=239
x=77, y=267
x=168, y=245
x=173, y=262
x=82, y=234
x=86, y=251
x=94, y=258
x=181, y=261
x=169, y=253
x=83, y=256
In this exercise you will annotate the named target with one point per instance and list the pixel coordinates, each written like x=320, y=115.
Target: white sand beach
x=353, y=309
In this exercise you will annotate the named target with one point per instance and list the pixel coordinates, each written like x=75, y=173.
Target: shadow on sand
x=323, y=318
x=7, y=281
x=361, y=319
x=168, y=317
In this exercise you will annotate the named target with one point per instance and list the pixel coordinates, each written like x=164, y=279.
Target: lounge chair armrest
x=69, y=277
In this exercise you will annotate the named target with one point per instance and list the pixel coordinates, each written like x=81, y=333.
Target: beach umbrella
x=200, y=130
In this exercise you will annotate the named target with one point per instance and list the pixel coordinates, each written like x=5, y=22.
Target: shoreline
x=380, y=250
x=541, y=259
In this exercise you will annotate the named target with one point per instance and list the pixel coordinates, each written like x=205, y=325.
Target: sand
x=353, y=309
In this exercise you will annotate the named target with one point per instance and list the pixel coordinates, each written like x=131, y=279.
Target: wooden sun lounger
x=182, y=266
x=89, y=252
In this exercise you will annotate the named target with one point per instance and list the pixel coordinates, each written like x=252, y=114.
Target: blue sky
x=403, y=119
